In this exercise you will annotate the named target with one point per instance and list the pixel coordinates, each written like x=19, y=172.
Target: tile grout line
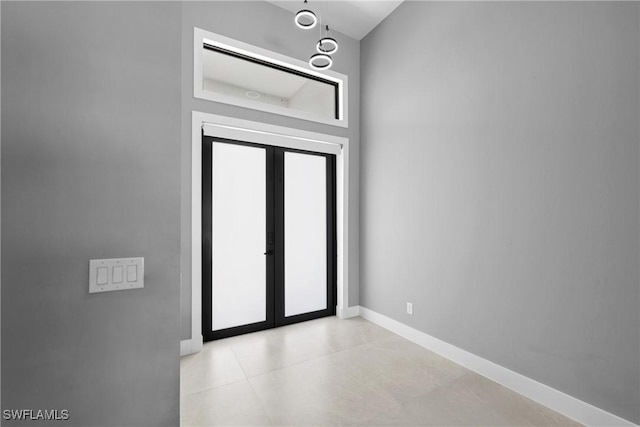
x=261, y=403
x=253, y=390
x=219, y=385
x=182, y=396
x=235, y=356
x=302, y=361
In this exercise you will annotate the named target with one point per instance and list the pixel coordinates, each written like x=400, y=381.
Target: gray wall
x=500, y=169
x=90, y=169
x=269, y=27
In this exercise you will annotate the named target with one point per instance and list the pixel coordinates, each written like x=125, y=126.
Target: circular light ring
x=306, y=14
x=315, y=63
x=327, y=46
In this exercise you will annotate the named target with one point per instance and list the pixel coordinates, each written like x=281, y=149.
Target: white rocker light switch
x=115, y=274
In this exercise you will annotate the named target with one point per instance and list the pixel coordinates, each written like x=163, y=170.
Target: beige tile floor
x=342, y=372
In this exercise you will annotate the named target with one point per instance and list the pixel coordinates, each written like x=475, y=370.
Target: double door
x=269, y=237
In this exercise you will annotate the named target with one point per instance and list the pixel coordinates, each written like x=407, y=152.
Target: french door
x=268, y=237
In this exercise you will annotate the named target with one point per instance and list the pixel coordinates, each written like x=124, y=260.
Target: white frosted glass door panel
x=239, y=204
x=305, y=233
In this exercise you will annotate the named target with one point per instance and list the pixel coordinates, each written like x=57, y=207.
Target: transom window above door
x=236, y=73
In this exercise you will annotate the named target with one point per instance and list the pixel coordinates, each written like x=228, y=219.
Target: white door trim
x=250, y=131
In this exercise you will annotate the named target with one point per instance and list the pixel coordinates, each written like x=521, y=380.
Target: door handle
x=269, y=252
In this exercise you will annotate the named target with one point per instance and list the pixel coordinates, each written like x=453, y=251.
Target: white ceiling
x=355, y=18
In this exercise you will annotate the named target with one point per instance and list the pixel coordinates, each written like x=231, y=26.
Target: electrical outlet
x=410, y=308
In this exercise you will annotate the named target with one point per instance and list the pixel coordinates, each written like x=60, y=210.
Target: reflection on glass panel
x=230, y=75
x=238, y=234
x=305, y=233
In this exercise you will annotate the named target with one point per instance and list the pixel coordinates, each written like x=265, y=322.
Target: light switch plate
x=117, y=274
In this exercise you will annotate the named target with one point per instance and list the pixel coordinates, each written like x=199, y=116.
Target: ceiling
x=354, y=18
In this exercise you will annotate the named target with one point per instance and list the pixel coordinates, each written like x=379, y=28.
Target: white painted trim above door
x=263, y=133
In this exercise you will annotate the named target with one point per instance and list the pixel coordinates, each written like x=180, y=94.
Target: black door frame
x=274, y=250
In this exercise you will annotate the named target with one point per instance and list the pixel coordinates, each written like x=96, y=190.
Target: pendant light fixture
x=306, y=19
x=320, y=61
x=327, y=45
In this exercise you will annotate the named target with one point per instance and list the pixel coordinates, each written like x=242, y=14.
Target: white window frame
x=279, y=136
x=201, y=37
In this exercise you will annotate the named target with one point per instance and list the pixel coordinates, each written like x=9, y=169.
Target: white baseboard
x=560, y=402
x=345, y=313
x=190, y=346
